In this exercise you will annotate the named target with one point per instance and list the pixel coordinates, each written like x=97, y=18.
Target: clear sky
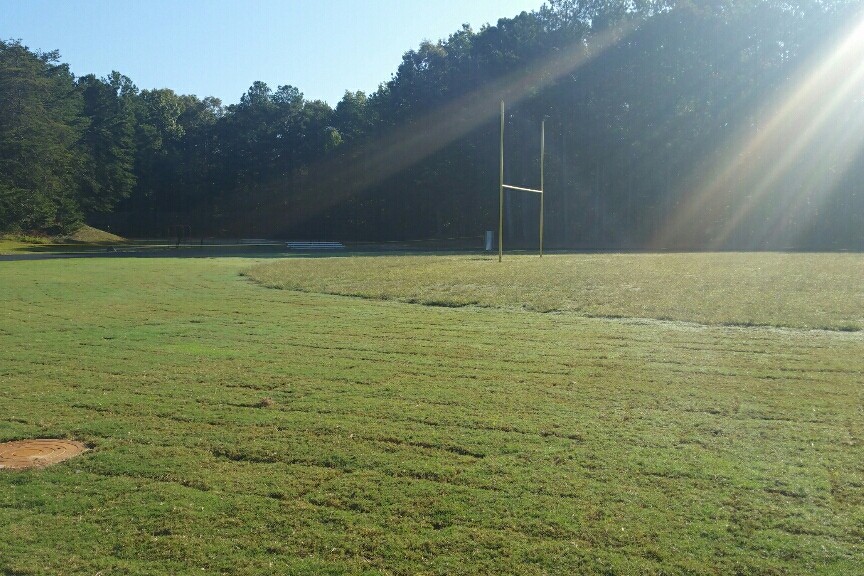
x=219, y=47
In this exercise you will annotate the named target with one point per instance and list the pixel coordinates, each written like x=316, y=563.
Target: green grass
x=406, y=439
x=13, y=243
x=86, y=237
x=791, y=290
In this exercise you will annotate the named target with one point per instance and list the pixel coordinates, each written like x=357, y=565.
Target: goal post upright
x=501, y=190
x=542, y=195
x=502, y=186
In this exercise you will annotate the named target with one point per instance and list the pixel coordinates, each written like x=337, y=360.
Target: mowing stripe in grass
x=408, y=439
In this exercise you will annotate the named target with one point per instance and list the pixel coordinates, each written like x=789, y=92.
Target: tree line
x=669, y=125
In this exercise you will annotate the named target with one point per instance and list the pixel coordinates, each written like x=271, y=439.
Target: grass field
x=770, y=289
x=238, y=429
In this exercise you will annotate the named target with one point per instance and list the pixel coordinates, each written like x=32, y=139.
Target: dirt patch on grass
x=37, y=453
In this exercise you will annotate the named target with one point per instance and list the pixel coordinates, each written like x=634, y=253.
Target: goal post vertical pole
x=542, y=190
x=501, y=190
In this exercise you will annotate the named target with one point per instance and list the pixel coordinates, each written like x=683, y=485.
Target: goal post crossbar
x=502, y=186
x=522, y=189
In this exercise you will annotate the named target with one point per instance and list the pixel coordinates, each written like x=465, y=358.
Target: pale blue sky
x=219, y=47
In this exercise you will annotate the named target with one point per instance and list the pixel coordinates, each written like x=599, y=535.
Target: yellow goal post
x=502, y=186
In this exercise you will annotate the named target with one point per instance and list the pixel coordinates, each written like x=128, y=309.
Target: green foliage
x=409, y=439
x=108, y=141
x=40, y=127
x=27, y=239
x=352, y=117
x=66, y=147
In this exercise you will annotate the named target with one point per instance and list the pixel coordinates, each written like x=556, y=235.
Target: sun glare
x=793, y=158
x=419, y=139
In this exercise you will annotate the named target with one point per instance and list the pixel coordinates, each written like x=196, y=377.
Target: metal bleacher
x=314, y=245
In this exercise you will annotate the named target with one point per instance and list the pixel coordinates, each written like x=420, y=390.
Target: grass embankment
x=84, y=237
x=789, y=290
x=89, y=235
x=404, y=439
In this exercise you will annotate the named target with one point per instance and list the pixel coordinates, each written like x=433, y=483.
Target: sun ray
x=840, y=75
x=406, y=145
x=822, y=128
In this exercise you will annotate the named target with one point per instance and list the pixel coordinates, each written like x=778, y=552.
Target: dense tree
x=108, y=142
x=41, y=123
x=670, y=124
x=352, y=118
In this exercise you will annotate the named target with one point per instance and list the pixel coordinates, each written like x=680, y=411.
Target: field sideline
x=238, y=429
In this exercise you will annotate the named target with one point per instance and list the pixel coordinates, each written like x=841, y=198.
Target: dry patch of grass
x=771, y=289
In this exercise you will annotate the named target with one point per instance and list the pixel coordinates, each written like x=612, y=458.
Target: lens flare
x=819, y=124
